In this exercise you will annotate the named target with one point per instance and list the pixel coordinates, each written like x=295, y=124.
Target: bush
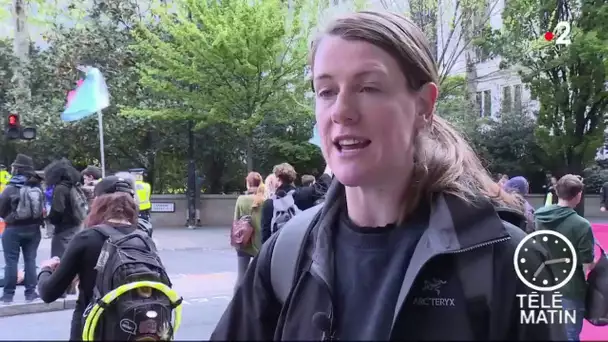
x=595, y=177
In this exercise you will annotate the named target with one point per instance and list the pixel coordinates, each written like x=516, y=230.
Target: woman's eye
x=369, y=90
x=325, y=93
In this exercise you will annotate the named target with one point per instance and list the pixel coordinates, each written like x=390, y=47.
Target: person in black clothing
x=604, y=197
x=19, y=234
x=114, y=205
x=551, y=190
x=62, y=176
x=304, y=197
x=409, y=244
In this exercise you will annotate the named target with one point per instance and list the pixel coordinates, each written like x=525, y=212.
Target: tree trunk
x=249, y=155
x=21, y=47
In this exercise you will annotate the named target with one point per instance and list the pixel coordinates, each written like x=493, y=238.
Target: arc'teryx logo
x=434, y=285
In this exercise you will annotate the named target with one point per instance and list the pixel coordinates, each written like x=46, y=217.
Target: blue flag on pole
x=90, y=97
x=316, y=139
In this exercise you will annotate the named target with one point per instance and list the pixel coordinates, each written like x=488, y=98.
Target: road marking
x=203, y=300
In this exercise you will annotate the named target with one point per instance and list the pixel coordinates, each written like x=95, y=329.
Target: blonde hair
x=271, y=183
x=259, y=196
x=443, y=161
x=254, y=180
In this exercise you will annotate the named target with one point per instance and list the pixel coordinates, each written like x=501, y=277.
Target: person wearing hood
x=562, y=218
x=520, y=186
x=62, y=176
x=21, y=233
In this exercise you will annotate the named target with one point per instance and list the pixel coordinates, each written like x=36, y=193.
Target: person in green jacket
x=562, y=218
x=250, y=204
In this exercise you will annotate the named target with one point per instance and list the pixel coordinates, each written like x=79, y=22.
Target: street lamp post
x=191, y=177
x=191, y=166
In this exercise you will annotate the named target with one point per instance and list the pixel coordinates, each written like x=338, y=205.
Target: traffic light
x=13, y=129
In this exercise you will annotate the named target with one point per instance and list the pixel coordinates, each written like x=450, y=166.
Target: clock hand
x=556, y=261
x=540, y=268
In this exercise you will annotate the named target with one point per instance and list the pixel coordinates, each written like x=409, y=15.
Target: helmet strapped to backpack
x=284, y=208
x=132, y=291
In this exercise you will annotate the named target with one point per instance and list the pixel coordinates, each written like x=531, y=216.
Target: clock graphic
x=532, y=270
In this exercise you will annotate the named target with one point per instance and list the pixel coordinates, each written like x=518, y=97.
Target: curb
x=37, y=306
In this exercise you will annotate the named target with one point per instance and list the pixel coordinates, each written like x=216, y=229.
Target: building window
x=517, y=105
x=487, y=103
x=481, y=54
x=506, y=99
x=479, y=103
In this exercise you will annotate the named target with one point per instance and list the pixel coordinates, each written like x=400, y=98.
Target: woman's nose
x=344, y=110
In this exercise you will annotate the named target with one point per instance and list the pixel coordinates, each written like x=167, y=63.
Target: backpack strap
x=477, y=290
x=287, y=250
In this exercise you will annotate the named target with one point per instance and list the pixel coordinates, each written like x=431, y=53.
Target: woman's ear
x=425, y=104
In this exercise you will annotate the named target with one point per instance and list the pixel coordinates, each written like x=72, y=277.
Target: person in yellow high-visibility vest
x=5, y=177
x=144, y=192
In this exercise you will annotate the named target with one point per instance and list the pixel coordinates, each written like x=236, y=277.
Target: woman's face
x=366, y=114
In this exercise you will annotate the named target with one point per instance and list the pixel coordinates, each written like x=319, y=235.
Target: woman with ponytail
x=250, y=204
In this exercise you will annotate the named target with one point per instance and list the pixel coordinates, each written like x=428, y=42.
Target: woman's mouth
x=351, y=144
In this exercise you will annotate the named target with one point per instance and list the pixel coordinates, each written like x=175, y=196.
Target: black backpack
x=596, y=303
x=132, y=291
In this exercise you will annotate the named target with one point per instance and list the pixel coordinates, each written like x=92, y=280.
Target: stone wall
x=218, y=210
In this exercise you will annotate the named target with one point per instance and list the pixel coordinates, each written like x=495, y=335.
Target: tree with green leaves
x=568, y=81
x=239, y=66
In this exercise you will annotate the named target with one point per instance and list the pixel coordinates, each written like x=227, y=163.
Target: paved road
x=202, y=267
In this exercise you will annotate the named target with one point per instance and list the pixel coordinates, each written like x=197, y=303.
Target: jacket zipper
x=329, y=335
x=468, y=249
x=483, y=244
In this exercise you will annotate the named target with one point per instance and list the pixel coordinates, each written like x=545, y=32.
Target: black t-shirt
x=370, y=264
x=79, y=260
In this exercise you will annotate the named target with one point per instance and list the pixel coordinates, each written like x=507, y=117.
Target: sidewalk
x=187, y=285
x=167, y=240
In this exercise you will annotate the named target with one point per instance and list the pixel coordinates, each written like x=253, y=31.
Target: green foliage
x=569, y=81
x=238, y=66
x=595, y=177
x=508, y=145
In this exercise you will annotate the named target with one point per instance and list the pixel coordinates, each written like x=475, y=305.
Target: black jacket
x=304, y=198
x=79, y=259
x=455, y=229
x=61, y=214
x=604, y=195
x=551, y=190
x=9, y=201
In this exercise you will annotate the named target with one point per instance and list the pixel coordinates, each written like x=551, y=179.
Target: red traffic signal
x=13, y=120
x=13, y=131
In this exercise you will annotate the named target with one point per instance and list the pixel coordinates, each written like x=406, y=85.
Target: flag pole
x=101, y=150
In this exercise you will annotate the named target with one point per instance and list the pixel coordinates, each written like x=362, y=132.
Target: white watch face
x=545, y=274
